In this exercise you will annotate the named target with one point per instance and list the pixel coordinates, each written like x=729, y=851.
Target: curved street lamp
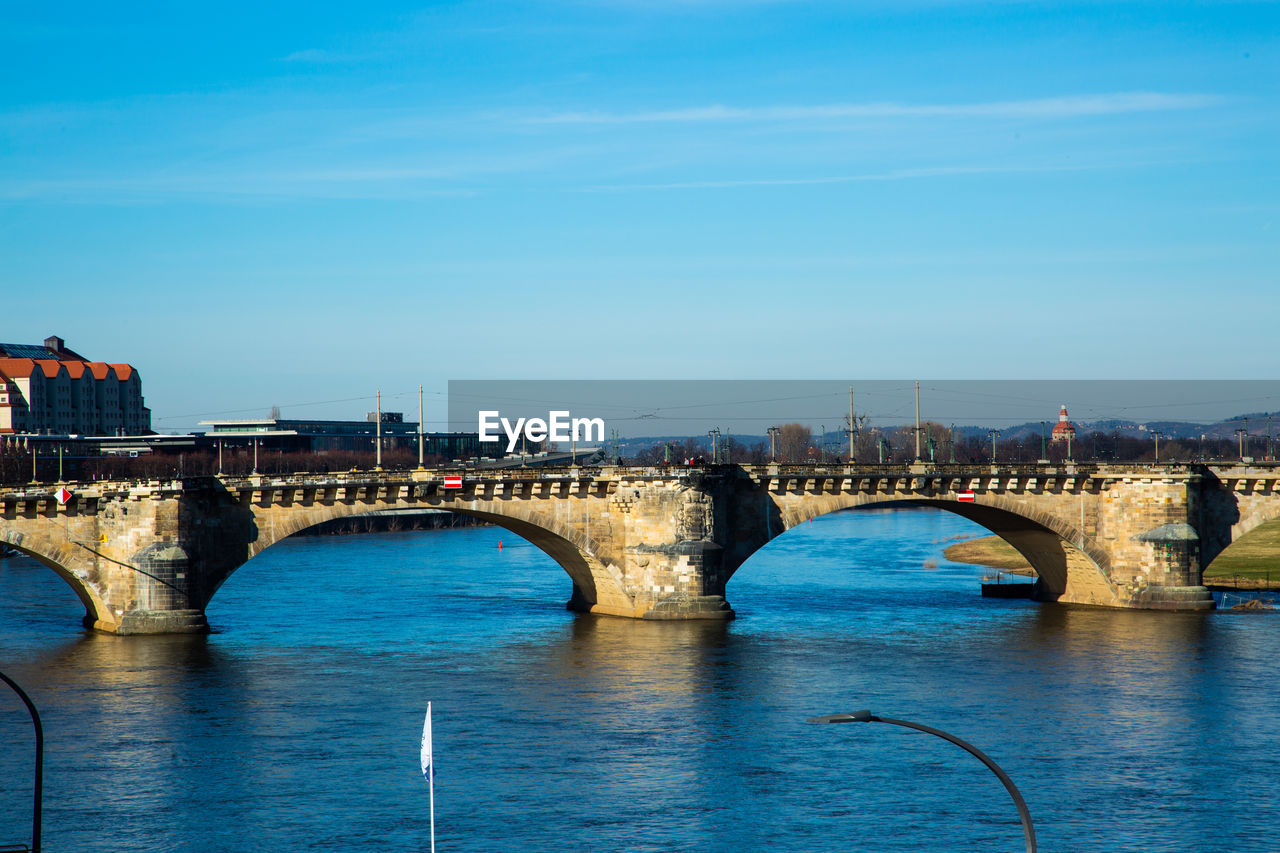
x=35, y=720
x=1028, y=830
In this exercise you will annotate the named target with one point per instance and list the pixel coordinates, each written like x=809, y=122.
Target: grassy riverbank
x=1251, y=563
x=990, y=551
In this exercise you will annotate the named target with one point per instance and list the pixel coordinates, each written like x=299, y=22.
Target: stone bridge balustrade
x=654, y=543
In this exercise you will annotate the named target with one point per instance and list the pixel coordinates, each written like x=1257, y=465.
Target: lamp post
x=1028, y=830
x=993, y=433
x=39, y=780
x=1157, y=435
x=377, y=451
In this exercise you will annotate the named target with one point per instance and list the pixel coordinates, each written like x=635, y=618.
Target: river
x=295, y=725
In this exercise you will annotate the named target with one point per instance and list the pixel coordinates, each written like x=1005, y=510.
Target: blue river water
x=295, y=725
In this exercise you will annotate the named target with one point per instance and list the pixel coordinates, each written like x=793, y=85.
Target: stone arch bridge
x=654, y=543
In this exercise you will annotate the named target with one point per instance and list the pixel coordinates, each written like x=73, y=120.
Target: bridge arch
x=1067, y=562
x=597, y=583
x=62, y=560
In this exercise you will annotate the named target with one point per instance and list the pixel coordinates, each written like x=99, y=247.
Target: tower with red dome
x=1063, y=430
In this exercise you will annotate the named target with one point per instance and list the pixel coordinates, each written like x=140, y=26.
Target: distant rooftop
x=53, y=347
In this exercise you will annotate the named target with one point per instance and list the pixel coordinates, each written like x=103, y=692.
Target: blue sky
x=297, y=204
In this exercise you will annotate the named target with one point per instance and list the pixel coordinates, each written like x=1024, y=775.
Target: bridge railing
x=582, y=472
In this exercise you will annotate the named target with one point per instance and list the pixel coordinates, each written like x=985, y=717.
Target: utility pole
x=420, y=426
x=822, y=447
x=1156, y=434
x=851, y=425
x=993, y=433
x=377, y=465
x=1043, y=451
x=917, y=420
x=773, y=448
x=951, y=442
x=1242, y=435
x=714, y=435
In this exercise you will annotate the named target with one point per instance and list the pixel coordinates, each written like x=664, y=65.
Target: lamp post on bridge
x=1024, y=815
x=993, y=433
x=1157, y=435
x=1242, y=436
x=773, y=439
x=39, y=770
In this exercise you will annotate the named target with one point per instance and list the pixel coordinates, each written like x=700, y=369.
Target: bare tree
x=794, y=443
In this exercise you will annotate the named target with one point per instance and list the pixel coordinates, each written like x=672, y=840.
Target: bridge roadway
x=654, y=543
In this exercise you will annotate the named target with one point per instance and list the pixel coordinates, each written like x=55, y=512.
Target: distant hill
x=1257, y=425
x=1191, y=430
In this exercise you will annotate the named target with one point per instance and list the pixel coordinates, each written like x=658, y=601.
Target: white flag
x=426, y=745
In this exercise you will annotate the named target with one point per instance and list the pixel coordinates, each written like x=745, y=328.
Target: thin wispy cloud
x=891, y=175
x=1070, y=106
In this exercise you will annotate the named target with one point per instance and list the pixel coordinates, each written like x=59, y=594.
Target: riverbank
x=1252, y=563
x=990, y=551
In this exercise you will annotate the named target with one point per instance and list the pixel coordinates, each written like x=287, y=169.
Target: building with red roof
x=1063, y=430
x=51, y=390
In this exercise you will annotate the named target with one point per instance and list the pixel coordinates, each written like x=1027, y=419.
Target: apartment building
x=49, y=389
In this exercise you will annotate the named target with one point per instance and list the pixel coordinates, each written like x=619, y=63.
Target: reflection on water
x=295, y=725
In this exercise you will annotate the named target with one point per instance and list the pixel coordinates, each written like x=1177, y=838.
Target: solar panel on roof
x=25, y=351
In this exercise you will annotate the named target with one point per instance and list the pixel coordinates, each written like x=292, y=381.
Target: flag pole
x=429, y=770
x=432, y=786
x=431, y=780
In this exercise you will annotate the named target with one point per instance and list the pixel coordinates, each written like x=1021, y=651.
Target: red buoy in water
x=499, y=544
